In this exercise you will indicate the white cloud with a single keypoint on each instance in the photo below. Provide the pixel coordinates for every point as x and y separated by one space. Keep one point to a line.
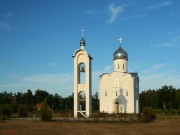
162 45
158 66
53 83
115 11
174 41
90 12
158 75
1 69
160 5
135 16
7 14
108 68
176 38
52 64
153 68
157 80
4 26
48 78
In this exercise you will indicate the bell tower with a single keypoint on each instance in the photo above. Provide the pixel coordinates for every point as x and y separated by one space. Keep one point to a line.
82 81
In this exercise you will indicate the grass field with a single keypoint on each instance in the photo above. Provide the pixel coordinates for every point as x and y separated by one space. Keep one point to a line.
163 126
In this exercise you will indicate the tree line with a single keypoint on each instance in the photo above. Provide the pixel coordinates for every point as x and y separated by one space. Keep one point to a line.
12 101
165 98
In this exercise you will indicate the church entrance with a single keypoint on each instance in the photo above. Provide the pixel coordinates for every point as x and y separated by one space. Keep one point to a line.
116 107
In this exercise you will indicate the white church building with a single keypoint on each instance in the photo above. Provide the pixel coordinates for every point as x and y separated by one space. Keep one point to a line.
119 90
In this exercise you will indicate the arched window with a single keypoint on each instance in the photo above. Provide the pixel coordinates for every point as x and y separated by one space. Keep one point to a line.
82 101
105 93
82 73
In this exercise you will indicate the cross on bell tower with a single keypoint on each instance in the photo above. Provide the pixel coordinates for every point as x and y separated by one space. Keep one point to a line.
82 30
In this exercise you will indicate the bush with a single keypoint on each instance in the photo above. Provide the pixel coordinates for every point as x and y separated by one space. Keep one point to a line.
45 113
178 111
166 112
173 111
5 111
22 111
159 111
147 115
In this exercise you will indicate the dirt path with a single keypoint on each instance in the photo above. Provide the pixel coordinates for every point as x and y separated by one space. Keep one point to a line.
29 127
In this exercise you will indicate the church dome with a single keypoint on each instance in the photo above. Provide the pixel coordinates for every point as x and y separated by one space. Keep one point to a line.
120 53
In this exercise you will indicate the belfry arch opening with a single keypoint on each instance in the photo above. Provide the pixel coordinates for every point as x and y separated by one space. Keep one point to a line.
82 73
82 101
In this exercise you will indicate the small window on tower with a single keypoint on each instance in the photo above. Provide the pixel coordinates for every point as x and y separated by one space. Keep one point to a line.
123 66
116 93
118 66
105 93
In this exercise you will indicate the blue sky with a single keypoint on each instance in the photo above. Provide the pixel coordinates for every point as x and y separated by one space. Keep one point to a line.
38 38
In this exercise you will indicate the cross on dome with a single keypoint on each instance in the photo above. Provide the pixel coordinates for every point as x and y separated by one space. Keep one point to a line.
120 40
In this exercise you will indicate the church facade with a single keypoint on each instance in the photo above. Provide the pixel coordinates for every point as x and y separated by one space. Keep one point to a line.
119 90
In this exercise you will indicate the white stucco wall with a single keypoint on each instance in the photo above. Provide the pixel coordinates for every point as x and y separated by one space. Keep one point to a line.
81 56
121 87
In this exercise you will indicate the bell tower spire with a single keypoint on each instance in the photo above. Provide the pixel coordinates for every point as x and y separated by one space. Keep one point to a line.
82 30
82 42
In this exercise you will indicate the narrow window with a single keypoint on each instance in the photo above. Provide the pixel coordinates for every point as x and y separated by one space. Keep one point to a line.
118 66
123 66
105 93
126 93
116 93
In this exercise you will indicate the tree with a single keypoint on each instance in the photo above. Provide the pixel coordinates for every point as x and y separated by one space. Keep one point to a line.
40 95
46 113
29 97
95 102
22 110
167 97
5 111
177 99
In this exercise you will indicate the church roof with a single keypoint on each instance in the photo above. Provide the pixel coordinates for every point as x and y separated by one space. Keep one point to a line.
134 75
120 53
82 50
